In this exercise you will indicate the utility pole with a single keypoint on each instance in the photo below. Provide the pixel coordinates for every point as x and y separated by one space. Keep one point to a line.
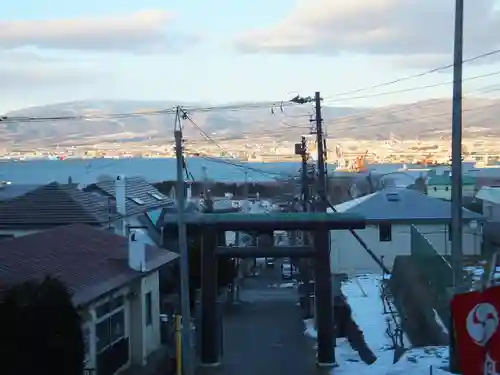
207 195
321 154
187 357
301 149
456 169
246 205
305 182
323 284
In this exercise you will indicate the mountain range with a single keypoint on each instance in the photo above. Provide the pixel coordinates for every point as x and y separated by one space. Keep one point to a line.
424 119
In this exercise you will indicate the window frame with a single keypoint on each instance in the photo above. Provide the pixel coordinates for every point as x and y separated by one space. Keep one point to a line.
148 307
113 307
385 232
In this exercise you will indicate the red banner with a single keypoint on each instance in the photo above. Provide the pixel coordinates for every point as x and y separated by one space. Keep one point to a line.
476 325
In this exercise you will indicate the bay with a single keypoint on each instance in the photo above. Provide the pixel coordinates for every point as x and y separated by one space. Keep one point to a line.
86 171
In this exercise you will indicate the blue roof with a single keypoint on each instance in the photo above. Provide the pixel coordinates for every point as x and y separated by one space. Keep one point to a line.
402 205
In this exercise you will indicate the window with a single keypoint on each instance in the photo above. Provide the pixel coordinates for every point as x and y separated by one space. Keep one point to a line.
157 196
450 235
117 326
137 201
86 341
110 326
102 334
385 232
109 306
149 309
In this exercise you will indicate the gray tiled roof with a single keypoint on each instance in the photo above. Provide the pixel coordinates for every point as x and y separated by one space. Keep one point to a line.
51 205
90 261
136 188
403 205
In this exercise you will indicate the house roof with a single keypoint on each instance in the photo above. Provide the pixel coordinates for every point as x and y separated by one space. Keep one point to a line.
141 195
402 205
90 261
489 194
53 204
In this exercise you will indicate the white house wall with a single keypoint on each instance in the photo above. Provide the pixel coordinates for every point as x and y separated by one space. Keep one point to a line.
348 256
151 333
491 211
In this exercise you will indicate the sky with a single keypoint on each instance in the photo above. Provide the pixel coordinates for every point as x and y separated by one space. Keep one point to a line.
225 50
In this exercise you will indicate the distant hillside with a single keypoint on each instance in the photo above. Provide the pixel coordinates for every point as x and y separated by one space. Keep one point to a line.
426 119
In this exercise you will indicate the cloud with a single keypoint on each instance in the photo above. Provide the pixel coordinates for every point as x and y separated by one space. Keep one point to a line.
412 29
25 70
145 31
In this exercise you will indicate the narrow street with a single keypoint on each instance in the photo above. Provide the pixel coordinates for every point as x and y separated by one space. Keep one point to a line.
265 334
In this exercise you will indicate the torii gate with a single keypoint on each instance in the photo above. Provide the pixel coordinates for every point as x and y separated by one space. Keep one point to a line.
318 223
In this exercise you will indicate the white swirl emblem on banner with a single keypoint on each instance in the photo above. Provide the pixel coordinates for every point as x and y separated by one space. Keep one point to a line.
482 323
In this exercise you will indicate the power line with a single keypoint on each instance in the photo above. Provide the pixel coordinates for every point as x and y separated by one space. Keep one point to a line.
274 175
203 133
406 108
420 118
416 88
417 75
172 111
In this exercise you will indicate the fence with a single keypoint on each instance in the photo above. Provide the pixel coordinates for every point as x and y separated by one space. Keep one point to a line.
435 269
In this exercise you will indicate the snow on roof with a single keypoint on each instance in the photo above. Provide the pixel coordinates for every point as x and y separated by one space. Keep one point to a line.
489 194
347 205
363 295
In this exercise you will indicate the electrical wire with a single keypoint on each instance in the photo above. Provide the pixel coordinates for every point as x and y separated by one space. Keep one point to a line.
171 111
227 162
235 107
204 134
417 75
417 88
278 176
389 122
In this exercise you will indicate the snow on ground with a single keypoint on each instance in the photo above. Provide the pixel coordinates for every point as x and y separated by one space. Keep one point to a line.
476 274
363 295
